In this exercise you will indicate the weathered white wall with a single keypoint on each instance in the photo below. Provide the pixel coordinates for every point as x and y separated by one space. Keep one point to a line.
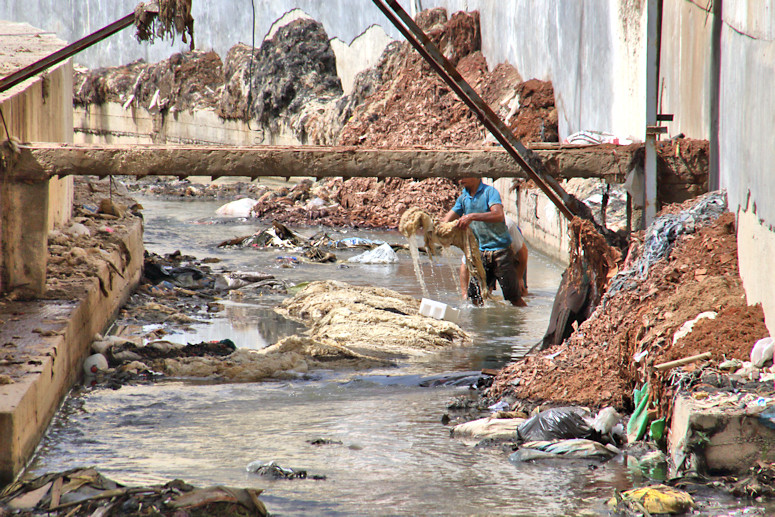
591 49
747 141
685 68
362 53
218 24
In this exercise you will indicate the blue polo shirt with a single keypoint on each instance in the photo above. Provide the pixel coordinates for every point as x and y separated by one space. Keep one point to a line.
491 236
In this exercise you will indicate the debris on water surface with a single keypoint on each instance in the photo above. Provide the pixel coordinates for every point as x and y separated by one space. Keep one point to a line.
373 321
274 471
85 492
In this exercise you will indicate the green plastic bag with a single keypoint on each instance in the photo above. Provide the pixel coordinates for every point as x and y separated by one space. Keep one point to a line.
636 427
657 429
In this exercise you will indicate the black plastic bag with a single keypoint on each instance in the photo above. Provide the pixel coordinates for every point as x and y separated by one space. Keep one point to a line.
559 423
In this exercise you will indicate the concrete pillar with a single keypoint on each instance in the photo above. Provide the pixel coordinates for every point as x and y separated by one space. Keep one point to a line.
39 109
24 239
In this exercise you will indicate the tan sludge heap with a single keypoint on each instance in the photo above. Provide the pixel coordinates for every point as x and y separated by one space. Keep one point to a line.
349 327
371 321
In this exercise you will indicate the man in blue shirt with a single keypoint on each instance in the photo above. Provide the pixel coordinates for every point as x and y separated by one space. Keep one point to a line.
480 207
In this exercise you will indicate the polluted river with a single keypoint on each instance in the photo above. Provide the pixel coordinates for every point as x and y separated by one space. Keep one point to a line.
371 442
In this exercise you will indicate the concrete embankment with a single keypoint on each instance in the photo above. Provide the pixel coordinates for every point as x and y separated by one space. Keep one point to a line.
49 339
55 297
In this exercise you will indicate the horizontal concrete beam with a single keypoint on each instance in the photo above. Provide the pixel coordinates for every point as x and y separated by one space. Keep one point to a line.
42 160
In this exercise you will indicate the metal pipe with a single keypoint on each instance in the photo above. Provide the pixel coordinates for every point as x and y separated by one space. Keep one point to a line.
420 41
65 53
714 180
652 79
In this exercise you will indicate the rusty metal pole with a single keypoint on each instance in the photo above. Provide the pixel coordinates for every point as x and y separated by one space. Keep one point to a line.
652 130
447 71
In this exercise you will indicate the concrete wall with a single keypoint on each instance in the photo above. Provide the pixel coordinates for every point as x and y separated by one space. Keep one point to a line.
685 68
39 109
747 141
110 123
591 49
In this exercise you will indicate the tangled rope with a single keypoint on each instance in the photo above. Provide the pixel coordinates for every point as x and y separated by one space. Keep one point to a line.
446 235
163 18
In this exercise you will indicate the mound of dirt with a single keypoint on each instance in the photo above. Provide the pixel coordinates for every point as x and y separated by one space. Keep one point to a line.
595 366
356 202
413 106
290 83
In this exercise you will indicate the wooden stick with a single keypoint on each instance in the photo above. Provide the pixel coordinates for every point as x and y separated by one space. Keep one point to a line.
681 362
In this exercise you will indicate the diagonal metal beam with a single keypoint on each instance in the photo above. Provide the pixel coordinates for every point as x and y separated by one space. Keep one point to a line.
447 71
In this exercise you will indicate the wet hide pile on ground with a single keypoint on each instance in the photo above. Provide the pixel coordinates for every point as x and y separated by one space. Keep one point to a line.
371 321
349 327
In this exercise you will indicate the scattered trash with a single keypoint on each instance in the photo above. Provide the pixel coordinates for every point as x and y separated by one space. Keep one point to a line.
556 424
662 234
657 429
683 361
275 471
489 428
79 230
499 406
687 327
83 491
759 481
730 365
575 448
324 441
637 358
588 137
767 417
109 207
383 254
239 208
605 421
438 310
357 242
95 363
636 427
762 352
654 499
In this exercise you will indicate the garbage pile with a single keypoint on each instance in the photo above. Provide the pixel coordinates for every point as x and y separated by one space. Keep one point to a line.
86 492
284 82
348 327
616 350
88 247
183 82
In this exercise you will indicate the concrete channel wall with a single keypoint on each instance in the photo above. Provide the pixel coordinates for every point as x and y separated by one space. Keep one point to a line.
38 109
51 337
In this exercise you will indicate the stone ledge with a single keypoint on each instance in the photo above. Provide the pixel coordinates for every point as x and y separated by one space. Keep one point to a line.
54 338
722 433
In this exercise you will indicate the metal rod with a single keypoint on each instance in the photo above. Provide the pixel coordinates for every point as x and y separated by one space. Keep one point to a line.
65 52
714 180
420 41
652 84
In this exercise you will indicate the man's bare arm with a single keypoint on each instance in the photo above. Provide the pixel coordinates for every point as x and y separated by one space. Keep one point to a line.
495 215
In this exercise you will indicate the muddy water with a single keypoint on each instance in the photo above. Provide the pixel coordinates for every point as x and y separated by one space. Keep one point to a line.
391 455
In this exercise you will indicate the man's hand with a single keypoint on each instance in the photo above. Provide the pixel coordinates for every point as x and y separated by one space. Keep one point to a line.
466 220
